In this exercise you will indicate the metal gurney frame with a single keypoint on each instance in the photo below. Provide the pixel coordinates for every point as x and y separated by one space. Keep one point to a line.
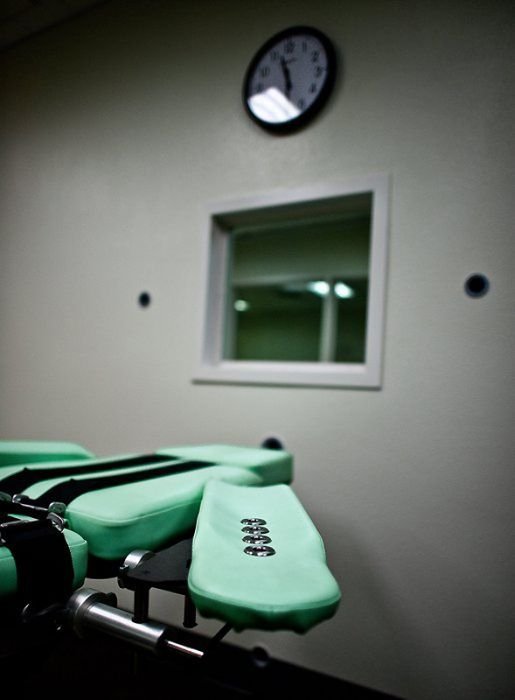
255 559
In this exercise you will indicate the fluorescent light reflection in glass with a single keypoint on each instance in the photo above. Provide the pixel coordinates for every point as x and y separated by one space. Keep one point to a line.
241 305
343 291
320 287
323 288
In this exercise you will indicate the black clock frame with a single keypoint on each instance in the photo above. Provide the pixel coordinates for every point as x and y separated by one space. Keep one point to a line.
306 116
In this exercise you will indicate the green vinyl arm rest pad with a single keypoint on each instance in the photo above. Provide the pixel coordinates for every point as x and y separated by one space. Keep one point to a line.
282 584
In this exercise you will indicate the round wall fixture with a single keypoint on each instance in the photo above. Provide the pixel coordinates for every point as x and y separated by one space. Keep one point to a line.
477 285
144 299
272 443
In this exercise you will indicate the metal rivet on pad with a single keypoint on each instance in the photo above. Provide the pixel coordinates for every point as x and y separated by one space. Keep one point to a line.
256 530
253 521
259 551
257 539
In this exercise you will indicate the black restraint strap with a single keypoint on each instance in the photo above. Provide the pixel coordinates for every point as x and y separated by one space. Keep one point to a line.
44 564
67 491
18 482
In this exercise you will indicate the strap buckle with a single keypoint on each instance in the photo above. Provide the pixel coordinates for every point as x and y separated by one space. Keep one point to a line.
56 521
20 504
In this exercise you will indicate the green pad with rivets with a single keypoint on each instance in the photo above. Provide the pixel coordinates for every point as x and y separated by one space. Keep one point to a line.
149 513
290 589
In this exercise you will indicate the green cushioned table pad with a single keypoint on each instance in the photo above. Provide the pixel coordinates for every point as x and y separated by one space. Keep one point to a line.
291 589
34 451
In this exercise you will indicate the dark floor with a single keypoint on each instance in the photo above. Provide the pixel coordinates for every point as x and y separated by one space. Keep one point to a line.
104 668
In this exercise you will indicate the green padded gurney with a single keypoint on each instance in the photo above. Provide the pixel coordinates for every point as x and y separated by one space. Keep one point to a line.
148 513
257 560
283 583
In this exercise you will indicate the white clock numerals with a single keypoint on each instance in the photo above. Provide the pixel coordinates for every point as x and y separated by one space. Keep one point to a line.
294 67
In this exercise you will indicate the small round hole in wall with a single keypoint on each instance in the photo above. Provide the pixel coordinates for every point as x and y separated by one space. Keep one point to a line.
272 443
477 285
144 299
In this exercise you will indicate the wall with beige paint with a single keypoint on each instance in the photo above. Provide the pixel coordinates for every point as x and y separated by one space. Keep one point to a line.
116 128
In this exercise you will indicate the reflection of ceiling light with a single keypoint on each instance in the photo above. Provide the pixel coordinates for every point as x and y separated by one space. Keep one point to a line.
241 305
273 106
319 287
343 291
322 288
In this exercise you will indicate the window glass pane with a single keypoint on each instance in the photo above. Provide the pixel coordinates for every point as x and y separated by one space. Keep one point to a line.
351 323
297 290
275 323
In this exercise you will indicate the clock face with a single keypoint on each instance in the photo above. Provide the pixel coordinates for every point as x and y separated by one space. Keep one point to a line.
289 79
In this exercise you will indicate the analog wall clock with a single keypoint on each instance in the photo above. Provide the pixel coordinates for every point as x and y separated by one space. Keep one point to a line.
290 79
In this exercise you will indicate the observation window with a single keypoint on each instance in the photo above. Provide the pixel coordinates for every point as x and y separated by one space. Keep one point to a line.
295 287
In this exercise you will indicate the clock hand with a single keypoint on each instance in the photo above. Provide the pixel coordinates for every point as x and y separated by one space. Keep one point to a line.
287 77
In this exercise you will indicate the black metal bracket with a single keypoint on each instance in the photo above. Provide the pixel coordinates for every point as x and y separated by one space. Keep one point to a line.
166 570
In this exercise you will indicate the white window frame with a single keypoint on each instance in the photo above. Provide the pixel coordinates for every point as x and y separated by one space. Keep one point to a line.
212 367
